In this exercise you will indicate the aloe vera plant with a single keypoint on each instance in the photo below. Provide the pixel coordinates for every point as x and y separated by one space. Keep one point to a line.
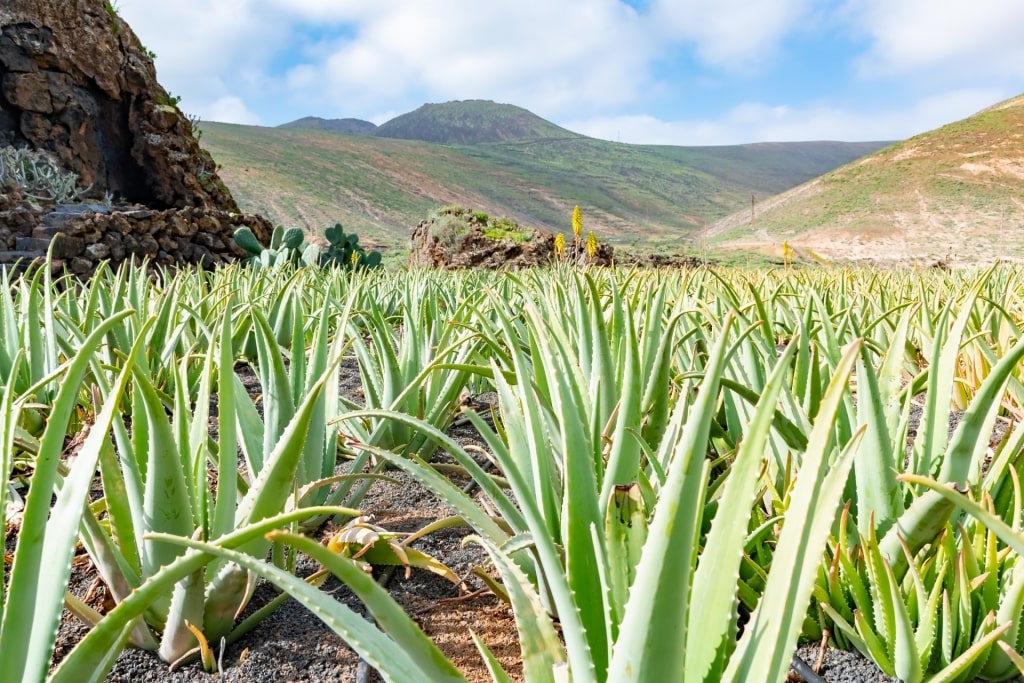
416 362
624 638
711 416
34 597
158 481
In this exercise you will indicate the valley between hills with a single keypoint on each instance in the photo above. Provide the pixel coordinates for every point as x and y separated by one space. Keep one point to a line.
953 194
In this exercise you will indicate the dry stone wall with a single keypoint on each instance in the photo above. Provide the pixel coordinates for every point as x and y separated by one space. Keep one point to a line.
83 235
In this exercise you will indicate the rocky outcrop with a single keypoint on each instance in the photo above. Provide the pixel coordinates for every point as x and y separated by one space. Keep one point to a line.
76 82
472 248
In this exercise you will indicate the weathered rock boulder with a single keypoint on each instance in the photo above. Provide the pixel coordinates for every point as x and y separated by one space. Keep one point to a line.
75 81
462 241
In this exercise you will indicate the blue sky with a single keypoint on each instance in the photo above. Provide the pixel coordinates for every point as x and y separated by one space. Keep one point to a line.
686 72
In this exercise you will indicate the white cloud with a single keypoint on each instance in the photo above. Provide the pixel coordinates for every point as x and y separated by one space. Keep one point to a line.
588 64
951 39
228 110
202 45
734 34
545 56
758 122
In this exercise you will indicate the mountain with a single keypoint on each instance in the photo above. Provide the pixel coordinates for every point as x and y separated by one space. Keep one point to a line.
471 122
354 126
954 194
521 166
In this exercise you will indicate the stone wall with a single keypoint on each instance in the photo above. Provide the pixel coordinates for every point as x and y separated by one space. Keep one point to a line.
83 235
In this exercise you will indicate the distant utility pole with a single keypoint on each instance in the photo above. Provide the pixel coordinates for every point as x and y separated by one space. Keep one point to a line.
751 209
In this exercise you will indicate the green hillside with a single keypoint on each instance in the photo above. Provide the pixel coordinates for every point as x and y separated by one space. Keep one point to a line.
382 187
954 194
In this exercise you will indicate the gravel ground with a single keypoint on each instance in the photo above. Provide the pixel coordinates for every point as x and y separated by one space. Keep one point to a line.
840 666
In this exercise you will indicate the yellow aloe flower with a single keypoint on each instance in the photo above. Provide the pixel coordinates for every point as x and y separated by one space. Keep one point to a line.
577 222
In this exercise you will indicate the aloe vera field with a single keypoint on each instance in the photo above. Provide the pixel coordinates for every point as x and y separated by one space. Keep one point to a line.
642 475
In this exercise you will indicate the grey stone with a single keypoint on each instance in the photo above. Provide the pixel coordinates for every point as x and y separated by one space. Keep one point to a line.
98 251
31 244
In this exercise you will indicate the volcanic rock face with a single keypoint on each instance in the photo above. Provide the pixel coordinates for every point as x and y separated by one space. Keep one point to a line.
76 82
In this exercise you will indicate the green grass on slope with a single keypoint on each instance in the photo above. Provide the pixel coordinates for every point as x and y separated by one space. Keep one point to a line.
381 188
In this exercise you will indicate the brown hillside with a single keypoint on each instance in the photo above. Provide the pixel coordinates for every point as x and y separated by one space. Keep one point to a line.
954 194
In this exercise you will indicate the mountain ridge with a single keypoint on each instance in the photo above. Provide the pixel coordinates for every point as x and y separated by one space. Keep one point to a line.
354 126
515 164
383 187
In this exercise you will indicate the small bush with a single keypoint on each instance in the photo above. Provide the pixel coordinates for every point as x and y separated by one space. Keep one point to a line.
38 175
450 231
451 210
507 229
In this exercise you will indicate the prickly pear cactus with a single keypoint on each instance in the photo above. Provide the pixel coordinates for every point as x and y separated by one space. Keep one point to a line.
345 251
293 238
370 260
245 238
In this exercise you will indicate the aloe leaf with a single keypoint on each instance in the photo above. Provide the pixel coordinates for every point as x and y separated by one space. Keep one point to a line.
1012 656
223 518
879 498
92 657
276 480
278 401
1010 607
537 637
804 534
167 505
221 599
48 535
186 606
848 630
906 658
625 534
494 667
248 424
928 514
9 412
933 432
624 456
441 486
719 566
882 607
874 648
653 630
970 657
580 514
404 654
